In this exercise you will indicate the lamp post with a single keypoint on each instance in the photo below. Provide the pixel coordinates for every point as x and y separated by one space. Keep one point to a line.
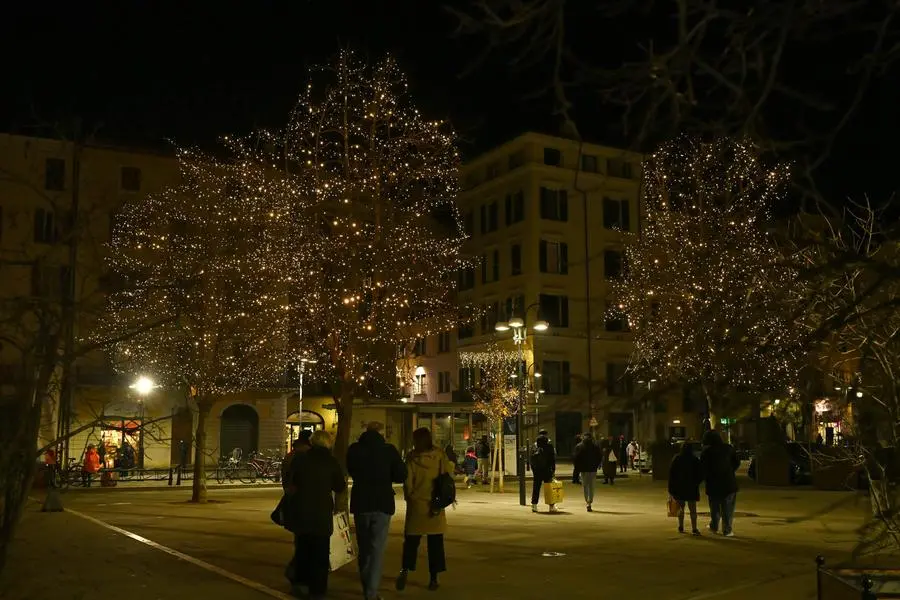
520 336
143 386
303 362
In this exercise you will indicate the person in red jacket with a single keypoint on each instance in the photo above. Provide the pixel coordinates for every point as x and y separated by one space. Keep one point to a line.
91 465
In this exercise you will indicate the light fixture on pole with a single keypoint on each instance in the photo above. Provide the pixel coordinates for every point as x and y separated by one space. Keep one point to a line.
143 385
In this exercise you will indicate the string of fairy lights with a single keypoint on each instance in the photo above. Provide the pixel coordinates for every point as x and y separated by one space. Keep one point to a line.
704 281
494 396
318 240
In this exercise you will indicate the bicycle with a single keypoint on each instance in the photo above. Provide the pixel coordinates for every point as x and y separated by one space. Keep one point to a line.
229 467
264 467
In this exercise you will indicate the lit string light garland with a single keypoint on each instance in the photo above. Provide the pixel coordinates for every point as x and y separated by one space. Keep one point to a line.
494 396
704 284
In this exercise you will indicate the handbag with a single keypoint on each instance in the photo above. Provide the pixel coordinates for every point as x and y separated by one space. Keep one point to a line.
341 546
443 490
672 507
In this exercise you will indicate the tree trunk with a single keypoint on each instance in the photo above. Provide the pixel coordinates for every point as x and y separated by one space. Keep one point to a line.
198 489
500 452
710 409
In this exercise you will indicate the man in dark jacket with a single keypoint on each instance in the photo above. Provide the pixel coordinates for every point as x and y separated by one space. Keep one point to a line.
374 466
483 454
314 476
719 462
543 467
622 453
587 460
685 475
576 475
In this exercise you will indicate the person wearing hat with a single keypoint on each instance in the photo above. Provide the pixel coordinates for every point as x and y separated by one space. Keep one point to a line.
543 467
300 445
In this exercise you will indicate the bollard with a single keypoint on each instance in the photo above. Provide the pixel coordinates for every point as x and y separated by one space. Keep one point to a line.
867 593
170 475
820 564
180 469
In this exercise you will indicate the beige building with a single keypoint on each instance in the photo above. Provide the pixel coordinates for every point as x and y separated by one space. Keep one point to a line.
548 217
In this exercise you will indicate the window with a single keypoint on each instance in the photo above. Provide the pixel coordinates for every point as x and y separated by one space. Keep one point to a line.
484 268
49 282
489 221
552 157
419 385
493 170
554 309
516 159
612 264
489 317
444 382
515 259
616 167
419 347
55 174
466 378
618 380
444 342
131 179
514 305
615 319
515 207
589 163
496 265
466 330
555 377
469 223
554 204
45 228
616 214
554 257
467 278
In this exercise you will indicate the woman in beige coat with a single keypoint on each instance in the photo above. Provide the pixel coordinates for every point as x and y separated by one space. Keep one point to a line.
423 466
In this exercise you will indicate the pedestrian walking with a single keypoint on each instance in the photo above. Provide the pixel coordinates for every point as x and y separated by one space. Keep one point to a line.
719 462
424 464
576 477
483 452
543 467
298 446
314 476
623 454
451 455
610 462
633 452
685 475
374 466
587 460
470 466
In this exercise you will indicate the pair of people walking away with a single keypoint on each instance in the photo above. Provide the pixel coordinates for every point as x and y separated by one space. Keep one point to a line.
543 468
588 458
716 466
374 466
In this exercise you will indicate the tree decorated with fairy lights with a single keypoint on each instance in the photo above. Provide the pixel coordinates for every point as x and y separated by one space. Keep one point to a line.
378 182
197 258
495 397
704 286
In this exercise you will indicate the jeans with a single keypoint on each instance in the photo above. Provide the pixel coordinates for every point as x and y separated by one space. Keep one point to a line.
437 562
722 507
587 482
692 508
311 562
371 535
537 488
484 465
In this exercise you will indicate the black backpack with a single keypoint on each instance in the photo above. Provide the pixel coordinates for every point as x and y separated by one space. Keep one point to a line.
444 491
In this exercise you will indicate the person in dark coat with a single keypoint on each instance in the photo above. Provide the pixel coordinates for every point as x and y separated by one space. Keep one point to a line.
719 462
576 476
685 475
451 455
543 467
314 476
374 466
622 453
300 445
483 453
587 460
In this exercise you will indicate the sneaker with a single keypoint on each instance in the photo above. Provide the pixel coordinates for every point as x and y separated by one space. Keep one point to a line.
401 580
713 529
534 508
729 534
589 509
695 532
681 530
553 508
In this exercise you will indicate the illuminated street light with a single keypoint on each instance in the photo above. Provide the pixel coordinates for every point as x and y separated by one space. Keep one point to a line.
516 323
143 386
541 326
502 326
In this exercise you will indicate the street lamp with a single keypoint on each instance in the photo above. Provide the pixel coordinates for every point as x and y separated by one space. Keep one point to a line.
520 336
143 386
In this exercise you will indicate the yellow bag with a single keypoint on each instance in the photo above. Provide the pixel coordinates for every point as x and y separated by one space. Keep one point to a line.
672 507
553 492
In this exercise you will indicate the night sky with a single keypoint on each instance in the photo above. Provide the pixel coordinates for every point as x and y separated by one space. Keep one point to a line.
194 70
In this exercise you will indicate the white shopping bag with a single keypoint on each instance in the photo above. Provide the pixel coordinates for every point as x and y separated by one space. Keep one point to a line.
342 549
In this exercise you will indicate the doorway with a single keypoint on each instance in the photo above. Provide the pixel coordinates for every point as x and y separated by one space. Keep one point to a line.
182 437
239 429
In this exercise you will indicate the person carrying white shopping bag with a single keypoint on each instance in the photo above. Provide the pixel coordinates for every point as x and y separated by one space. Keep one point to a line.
307 511
543 467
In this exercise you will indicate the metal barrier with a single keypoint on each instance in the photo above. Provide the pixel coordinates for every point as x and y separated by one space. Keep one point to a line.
839 585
